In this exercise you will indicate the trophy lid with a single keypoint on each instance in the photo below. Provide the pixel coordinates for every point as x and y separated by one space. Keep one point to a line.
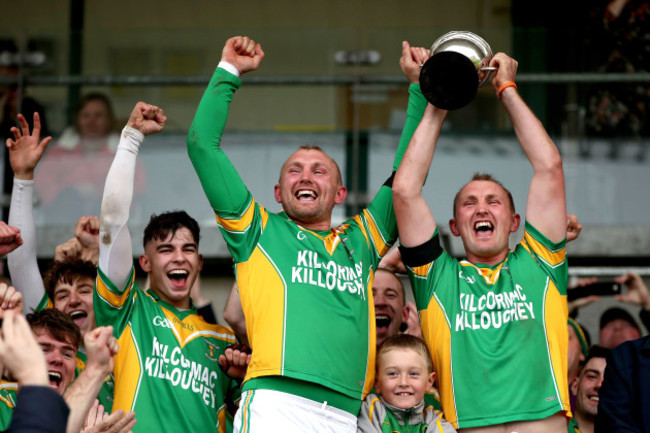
469 44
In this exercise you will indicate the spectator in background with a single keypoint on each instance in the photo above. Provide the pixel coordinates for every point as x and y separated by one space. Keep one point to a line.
616 327
577 351
71 177
585 389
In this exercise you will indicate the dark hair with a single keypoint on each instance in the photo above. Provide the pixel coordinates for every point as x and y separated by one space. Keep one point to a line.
161 226
68 271
596 352
99 97
487 177
405 341
57 323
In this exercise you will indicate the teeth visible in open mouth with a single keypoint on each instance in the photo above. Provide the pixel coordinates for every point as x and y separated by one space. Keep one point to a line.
55 376
78 314
178 273
595 398
382 321
483 226
305 193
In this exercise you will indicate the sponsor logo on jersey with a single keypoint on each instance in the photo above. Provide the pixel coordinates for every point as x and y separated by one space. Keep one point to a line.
162 322
170 364
493 310
301 236
311 269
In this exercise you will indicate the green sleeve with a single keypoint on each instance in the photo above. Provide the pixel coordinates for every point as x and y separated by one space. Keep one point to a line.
414 113
225 190
381 207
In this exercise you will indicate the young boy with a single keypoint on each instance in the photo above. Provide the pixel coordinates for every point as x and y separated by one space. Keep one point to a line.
404 373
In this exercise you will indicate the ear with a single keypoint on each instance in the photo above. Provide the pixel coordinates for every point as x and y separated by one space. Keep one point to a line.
200 262
430 380
405 314
516 220
276 193
145 264
377 385
340 195
574 387
453 227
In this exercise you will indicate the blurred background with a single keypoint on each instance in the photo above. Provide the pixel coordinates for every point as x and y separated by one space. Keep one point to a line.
331 78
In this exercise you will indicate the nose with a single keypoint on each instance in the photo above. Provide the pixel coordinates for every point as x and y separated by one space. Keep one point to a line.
178 257
54 358
74 298
403 380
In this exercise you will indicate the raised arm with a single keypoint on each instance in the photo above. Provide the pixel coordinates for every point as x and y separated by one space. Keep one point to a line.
25 151
101 348
233 314
414 218
115 251
221 182
546 207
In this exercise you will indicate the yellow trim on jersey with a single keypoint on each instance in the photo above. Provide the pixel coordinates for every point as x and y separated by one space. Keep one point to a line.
241 224
372 341
421 271
262 293
555 316
553 258
435 334
112 298
221 416
491 276
129 373
375 233
372 408
357 219
186 330
80 364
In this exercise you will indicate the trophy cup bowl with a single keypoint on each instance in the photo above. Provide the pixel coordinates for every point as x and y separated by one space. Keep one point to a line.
458 66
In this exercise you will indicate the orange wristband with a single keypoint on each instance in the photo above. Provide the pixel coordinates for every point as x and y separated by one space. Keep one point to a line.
504 86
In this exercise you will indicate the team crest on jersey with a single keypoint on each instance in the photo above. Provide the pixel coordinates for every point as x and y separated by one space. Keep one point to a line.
212 350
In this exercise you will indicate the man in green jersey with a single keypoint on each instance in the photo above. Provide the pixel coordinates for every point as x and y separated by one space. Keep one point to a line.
496 322
304 286
167 368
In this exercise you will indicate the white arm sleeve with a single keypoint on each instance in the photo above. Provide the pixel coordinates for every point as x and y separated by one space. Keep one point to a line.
115 250
23 266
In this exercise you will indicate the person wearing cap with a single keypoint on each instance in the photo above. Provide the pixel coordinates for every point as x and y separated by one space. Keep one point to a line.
616 327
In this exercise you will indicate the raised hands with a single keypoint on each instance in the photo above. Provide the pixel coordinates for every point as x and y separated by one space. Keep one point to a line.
9 238
101 348
412 60
506 70
26 149
10 299
100 421
147 118
637 291
19 351
243 53
573 228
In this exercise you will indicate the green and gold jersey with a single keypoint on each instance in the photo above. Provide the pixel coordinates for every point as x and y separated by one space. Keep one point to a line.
166 370
497 334
8 390
306 295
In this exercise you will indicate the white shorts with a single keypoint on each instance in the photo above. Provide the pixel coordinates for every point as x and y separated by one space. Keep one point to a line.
265 410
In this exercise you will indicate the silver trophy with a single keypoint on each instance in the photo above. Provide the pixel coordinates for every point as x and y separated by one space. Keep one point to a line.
458 66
